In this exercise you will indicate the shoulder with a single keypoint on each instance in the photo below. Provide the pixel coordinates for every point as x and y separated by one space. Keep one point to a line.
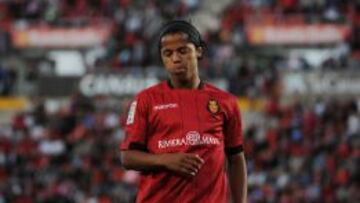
155 89
219 93
228 101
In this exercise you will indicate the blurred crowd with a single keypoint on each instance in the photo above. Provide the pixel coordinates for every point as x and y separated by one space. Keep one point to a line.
7 80
305 152
135 24
298 152
67 155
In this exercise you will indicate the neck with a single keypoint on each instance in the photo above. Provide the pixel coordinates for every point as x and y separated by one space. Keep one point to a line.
185 84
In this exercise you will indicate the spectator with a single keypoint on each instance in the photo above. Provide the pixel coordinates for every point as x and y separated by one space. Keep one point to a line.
7 80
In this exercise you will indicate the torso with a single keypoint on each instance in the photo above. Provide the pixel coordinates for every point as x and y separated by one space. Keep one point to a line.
190 121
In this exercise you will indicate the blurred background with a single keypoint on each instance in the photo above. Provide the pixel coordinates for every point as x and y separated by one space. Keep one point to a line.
68 69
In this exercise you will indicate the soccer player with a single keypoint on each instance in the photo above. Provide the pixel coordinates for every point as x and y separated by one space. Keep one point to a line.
179 131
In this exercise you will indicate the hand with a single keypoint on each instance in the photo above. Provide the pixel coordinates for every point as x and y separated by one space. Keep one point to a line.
181 163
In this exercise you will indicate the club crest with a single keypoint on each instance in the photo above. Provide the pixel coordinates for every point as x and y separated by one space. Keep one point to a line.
213 106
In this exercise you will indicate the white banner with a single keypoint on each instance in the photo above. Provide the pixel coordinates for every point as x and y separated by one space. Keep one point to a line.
117 84
114 84
321 83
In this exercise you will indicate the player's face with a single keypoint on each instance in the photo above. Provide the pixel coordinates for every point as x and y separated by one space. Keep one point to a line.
180 56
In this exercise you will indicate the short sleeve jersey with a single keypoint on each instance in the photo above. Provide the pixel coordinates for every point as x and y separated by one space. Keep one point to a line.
205 121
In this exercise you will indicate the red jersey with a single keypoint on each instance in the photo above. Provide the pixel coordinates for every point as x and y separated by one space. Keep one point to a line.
205 121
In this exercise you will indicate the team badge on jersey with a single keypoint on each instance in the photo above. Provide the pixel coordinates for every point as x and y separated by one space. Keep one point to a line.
213 106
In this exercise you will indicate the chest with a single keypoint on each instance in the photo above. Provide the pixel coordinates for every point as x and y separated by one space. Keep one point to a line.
184 118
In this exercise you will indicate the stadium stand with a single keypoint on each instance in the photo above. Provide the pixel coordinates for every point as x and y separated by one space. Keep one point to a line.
294 62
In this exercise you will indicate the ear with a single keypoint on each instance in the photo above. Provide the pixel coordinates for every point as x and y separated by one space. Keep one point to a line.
199 52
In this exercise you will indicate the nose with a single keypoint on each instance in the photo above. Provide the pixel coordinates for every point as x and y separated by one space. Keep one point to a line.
175 57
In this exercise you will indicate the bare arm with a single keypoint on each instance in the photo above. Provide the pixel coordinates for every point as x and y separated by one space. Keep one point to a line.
179 163
238 177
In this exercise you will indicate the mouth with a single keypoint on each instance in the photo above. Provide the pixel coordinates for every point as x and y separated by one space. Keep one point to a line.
179 70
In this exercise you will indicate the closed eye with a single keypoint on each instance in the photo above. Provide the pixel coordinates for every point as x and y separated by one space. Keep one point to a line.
183 50
167 53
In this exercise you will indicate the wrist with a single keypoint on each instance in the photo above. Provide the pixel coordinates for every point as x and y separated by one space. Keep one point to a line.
158 161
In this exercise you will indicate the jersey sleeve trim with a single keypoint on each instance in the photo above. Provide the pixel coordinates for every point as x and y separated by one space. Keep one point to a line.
138 146
234 150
